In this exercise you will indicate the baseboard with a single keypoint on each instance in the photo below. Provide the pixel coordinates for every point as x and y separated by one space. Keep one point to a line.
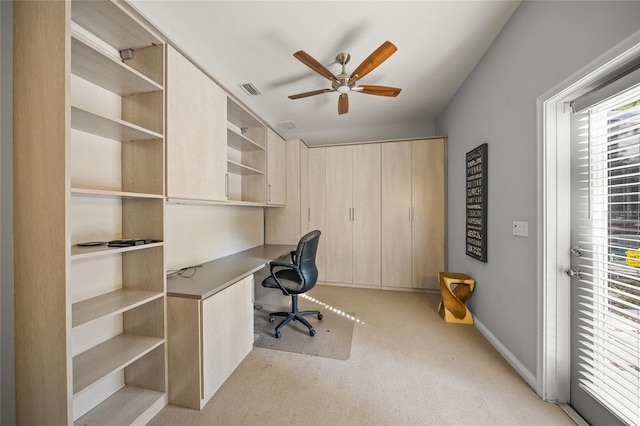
573 415
529 377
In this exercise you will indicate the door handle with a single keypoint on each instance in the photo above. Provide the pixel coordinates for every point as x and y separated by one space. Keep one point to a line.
574 272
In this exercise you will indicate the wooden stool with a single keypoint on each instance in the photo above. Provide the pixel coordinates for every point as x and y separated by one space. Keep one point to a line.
452 308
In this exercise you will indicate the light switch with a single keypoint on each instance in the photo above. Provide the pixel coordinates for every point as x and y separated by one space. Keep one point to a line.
521 229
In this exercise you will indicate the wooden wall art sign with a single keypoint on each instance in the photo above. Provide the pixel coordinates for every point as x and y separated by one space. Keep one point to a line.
476 234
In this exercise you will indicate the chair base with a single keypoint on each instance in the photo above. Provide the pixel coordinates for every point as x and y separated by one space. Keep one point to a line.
294 315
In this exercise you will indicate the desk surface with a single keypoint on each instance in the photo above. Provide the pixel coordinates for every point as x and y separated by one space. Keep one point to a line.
218 274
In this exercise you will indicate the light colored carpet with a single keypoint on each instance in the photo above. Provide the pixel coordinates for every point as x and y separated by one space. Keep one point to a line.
332 338
407 367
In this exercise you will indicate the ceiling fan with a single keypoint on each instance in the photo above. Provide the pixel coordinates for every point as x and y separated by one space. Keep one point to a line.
345 83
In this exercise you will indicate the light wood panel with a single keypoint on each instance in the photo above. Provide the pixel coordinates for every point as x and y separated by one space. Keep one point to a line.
227 333
367 214
41 236
110 304
317 204
196 132
95 363
113 24
429 212
126 406
276 169
305 210
183 341
396 214
283 224
339 211
107 71
107 127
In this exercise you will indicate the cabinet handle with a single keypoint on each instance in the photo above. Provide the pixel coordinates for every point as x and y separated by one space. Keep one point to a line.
269 186
226 184
353 214
309 214
409 214
413 214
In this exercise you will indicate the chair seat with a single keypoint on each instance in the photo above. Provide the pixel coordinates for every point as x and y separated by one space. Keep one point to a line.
289 279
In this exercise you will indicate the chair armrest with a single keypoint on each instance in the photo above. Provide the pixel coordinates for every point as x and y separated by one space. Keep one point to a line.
283 265
292 255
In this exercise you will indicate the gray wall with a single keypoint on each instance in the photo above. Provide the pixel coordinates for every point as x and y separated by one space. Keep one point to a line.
7 380
543 44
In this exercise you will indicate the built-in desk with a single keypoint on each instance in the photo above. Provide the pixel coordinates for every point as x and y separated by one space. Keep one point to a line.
210 323
218 274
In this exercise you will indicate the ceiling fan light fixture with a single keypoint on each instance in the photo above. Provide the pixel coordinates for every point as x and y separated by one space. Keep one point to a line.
344 89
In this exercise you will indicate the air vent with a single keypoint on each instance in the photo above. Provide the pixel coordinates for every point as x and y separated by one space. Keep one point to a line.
250 89
289 125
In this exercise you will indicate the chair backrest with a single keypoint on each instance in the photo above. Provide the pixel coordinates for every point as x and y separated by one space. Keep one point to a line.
305 258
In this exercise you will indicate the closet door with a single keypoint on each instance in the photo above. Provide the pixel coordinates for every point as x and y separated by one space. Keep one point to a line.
339 235
317 193
367 215
429 212
396 214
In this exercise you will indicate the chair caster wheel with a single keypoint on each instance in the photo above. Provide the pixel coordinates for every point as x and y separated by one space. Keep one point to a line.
278 334
320 316
271 319
312 332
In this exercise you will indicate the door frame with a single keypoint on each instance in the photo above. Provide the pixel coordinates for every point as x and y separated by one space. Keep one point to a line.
554 217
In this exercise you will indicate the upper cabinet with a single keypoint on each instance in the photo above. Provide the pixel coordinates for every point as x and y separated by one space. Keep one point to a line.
216 149
196 133
276 169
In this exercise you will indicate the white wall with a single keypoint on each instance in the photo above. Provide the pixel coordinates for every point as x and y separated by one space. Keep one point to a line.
7 381
542 45
195 233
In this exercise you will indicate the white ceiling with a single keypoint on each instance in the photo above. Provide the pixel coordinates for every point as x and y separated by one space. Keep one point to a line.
439 43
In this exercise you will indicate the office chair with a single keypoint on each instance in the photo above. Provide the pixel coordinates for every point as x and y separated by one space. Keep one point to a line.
295 278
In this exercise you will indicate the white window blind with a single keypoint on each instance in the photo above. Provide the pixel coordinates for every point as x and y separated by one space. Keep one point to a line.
609 236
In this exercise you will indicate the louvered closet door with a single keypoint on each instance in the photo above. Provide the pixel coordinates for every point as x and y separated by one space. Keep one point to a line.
605 292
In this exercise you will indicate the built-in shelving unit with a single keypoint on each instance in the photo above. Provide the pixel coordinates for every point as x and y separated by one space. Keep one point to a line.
246 155
91 153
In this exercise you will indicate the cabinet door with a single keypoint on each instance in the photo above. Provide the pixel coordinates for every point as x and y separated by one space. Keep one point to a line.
339 205
276 169
196 132
366 214
396 214
429 212
282 224
227 333
305 210
317 197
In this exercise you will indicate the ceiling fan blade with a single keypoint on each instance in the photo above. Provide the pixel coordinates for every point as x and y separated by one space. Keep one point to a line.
312 93
378 90
309 61
376 58
343 103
